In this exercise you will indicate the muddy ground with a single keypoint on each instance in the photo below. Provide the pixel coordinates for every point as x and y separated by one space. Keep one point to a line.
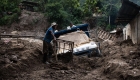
23 61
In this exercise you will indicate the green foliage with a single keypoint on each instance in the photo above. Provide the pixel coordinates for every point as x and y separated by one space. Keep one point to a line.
89 7
9 6
8 19
108 28
82 2
63 12
73 8
109 8
66 11
54 12
101 21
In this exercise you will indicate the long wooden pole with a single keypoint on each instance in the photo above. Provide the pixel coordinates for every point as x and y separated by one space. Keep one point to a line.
55 51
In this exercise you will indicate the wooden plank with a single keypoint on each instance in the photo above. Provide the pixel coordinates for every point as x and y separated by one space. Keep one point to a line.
14 36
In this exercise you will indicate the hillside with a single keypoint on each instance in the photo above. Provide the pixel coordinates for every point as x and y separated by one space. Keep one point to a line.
21 57
29 21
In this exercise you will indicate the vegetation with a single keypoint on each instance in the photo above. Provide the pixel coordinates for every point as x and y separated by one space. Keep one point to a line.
9 11
109 10
66 11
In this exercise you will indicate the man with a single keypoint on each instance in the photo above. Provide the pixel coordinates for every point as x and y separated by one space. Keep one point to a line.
71 26
47 47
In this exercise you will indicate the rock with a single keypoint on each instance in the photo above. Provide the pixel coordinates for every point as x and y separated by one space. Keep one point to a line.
112 52
115 67
73 77
117 47
133 74
6 60
67 72
14 58
104 44
1 42
110 42
14 32
3 52
62 72
110 49
2 61
5 56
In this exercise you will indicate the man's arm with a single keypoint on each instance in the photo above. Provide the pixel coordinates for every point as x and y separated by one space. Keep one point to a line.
53 35
73 26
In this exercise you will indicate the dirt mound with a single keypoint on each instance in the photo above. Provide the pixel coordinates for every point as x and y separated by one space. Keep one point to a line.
15 56
29 21
121 60
125 43
121 70
32 21
23 61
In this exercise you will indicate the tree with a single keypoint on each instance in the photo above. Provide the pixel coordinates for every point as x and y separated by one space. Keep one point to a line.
55 12
73 8
109 10
90 7
64 11
9 7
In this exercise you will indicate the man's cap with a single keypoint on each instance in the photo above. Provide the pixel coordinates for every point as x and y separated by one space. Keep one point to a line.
54 23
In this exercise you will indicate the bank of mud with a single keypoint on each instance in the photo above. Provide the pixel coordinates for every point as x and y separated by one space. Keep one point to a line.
23 61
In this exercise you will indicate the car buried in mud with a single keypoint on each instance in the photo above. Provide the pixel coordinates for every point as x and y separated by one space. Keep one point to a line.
82 42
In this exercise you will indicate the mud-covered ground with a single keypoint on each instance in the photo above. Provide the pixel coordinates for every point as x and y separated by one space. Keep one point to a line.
23 61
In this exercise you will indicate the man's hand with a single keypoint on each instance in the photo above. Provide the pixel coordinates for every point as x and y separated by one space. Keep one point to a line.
54 38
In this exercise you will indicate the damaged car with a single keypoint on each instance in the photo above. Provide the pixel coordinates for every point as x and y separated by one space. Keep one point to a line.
83 45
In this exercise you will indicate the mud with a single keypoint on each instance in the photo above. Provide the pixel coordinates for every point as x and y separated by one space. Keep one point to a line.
22 59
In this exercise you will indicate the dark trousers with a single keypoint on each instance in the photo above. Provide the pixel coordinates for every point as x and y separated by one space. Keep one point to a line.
47 51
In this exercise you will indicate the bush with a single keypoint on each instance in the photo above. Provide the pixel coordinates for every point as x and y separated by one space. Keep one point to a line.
6 7
108 28
8 19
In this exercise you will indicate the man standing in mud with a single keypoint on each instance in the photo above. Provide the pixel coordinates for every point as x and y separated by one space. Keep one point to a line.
47 47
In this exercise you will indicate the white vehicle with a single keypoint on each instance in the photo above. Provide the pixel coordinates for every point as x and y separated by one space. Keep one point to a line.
82 43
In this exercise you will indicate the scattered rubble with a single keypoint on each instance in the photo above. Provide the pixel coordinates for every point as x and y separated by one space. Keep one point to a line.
22 60
119 61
